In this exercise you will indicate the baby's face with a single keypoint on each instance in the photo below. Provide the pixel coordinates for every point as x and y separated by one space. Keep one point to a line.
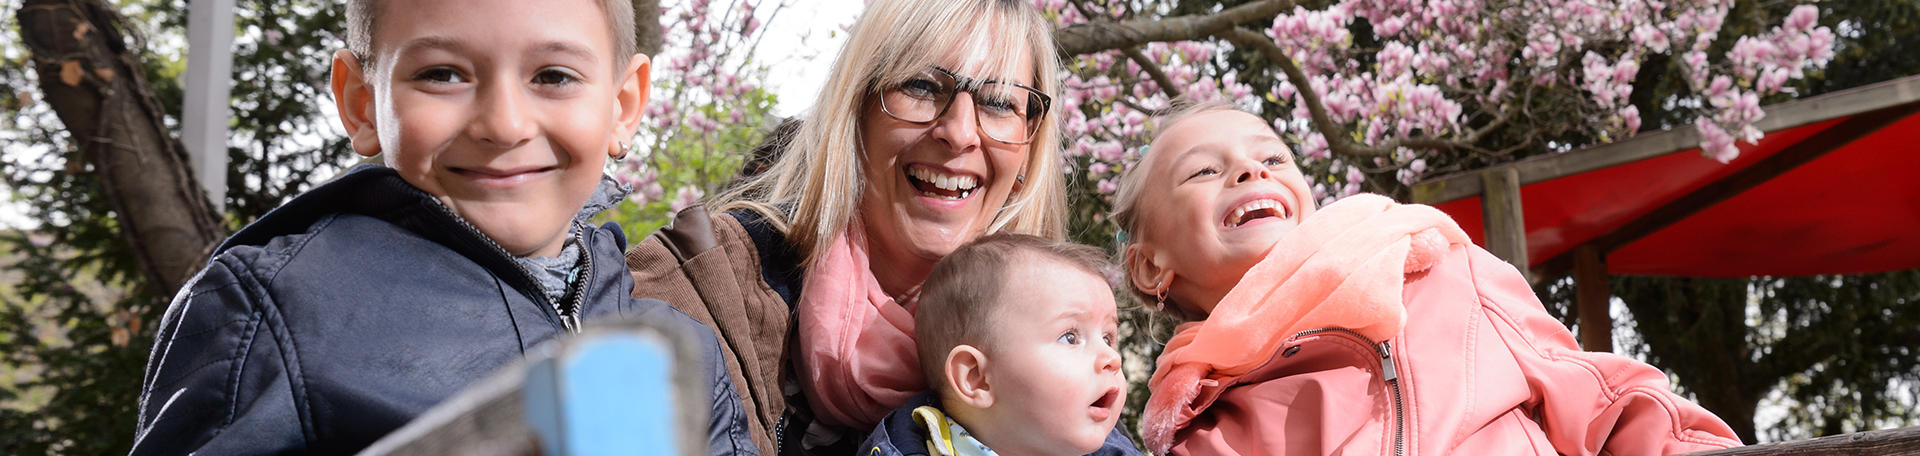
505 110
1053 367
1221 190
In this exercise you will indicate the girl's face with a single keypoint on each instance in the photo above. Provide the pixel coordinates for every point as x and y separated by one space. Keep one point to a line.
1221 190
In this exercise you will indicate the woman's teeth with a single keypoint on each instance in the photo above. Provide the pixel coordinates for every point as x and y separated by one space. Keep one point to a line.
1254 210
961 186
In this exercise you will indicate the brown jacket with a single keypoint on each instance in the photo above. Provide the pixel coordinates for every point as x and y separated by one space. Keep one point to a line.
738 281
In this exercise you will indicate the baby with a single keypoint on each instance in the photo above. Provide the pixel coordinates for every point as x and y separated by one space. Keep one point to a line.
1017 336
1365 327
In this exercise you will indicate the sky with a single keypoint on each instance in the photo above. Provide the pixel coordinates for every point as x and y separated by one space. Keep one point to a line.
800 44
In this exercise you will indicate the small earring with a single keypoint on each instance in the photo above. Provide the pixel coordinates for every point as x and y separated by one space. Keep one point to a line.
624 151
1162 296
1020 179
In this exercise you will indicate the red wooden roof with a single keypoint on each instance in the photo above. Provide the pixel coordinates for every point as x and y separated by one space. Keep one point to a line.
1833 188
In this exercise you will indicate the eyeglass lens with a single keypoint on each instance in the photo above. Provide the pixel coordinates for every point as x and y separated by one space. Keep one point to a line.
1006 112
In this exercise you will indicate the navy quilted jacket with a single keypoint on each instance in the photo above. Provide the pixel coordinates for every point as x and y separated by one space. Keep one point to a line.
355 307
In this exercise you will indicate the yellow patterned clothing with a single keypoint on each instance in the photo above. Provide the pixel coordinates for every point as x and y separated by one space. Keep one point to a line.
945 437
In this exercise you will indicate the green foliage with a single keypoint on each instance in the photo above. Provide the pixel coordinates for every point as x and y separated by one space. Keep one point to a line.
1838 353
79 321
687 155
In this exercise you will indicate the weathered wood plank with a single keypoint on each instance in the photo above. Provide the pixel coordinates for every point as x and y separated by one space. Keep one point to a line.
626 388
1594 299
1899 441
486 419
1506 226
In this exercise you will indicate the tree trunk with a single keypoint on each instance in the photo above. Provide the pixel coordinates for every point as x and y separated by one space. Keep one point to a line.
93 80
646 27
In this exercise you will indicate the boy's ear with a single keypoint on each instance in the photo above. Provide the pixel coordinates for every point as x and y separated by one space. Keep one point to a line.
966 369
1143 267
632 105
353 97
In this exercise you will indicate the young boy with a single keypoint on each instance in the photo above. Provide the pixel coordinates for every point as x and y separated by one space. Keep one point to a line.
1017 335
356 306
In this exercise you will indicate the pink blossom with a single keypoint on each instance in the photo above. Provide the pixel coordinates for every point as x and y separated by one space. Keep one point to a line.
687 196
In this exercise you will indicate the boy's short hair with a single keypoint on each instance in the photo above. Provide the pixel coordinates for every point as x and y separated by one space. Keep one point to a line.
961 295
361 13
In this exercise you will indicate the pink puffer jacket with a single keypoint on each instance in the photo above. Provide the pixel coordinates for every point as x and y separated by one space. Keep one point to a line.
1480 369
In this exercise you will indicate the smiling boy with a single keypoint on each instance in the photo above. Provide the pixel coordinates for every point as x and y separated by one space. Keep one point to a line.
356 306
1017 335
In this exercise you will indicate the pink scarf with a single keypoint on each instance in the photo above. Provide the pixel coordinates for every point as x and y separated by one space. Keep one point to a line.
858 360
1342 268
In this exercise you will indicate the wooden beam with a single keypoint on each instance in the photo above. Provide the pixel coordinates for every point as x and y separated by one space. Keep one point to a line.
1648 145
207 106
1904 440
1506 225
1740 181
632 387
1593 300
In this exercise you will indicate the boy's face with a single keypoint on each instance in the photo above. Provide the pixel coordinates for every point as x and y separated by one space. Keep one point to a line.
505 110
1221 191
1055 373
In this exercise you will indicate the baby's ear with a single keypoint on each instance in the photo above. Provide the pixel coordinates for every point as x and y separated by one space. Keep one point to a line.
353 97
1144 270
966 369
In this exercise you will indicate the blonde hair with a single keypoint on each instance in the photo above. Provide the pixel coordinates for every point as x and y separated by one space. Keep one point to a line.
1126 198
812 192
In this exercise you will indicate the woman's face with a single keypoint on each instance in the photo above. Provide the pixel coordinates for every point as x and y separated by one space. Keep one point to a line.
934 186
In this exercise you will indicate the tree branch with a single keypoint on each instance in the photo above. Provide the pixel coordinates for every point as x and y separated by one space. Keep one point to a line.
1337 140
1100 36
1152 69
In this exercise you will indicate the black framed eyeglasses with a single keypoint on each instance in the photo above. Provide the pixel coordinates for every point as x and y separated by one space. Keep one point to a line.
1006 111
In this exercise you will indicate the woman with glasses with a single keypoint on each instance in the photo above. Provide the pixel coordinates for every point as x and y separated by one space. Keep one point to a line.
936 127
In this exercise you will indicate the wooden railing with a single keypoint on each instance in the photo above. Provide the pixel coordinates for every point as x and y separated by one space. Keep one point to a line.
616 390
1899 441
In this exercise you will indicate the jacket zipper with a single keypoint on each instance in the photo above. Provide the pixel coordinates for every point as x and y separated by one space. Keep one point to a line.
568 316
576 283
1387 373
1399 408
779 433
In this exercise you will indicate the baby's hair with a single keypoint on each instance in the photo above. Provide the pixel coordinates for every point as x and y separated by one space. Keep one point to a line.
361 14
959 298
1126 198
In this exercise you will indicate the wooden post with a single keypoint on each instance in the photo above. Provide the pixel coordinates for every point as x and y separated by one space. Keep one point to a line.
1594 298
204 114
1506 225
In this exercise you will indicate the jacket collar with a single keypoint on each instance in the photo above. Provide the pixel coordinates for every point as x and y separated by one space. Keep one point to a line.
379 192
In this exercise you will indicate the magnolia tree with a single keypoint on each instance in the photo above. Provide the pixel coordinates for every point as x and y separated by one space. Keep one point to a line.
1377 94
707 108
1406 89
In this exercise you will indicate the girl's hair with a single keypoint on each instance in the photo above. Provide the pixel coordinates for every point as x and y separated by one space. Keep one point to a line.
361 15
812 191
1126 198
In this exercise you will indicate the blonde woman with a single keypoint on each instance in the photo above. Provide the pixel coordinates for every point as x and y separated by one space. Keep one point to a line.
935 128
